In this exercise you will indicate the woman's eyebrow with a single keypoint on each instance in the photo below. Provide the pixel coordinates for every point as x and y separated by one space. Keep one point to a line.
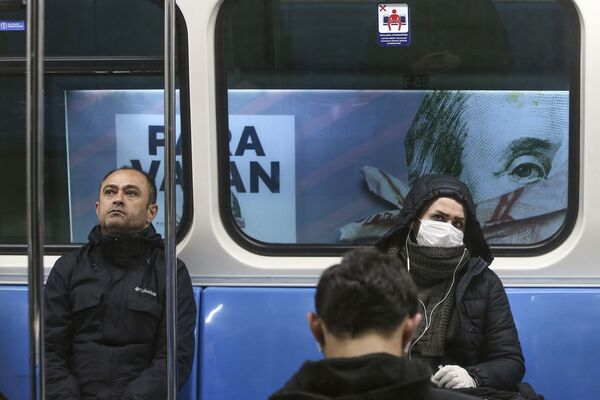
440 212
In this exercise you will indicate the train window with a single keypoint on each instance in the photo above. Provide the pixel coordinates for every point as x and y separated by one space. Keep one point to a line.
103 100
328 110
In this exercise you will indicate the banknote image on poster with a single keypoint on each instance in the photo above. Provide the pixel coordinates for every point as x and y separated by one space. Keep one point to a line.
510 148
107 129
356 154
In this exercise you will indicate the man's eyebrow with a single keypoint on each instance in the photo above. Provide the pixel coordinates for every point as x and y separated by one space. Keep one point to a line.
529 143
127 187
543 149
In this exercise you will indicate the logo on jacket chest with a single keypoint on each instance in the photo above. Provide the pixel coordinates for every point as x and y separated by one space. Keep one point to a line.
146 291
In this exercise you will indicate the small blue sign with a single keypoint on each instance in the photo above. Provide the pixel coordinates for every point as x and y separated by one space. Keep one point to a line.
12 25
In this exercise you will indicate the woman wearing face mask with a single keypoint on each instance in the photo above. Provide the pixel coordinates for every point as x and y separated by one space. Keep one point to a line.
467 334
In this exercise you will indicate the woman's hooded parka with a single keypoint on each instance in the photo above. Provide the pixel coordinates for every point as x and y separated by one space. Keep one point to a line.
485 342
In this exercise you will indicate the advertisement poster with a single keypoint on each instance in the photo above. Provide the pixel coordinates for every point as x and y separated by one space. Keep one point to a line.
357 152
107 129
333 166
140 143
262 162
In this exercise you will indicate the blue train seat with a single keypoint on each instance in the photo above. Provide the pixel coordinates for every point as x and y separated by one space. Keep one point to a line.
190 390
253 339
559 331
14 342
14 346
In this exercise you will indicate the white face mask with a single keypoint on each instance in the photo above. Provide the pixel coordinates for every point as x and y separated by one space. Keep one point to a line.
439 234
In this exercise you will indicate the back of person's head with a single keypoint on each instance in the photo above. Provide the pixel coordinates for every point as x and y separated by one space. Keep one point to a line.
367 291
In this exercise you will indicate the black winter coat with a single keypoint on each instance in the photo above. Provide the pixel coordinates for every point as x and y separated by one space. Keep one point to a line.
485 343
377 376
105 331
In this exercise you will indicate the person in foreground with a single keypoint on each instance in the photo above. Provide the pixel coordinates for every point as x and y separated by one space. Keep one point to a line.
104 304
467 335
366 314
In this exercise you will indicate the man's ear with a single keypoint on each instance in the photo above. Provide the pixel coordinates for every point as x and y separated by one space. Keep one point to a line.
316 327
97 207
410 326
152 211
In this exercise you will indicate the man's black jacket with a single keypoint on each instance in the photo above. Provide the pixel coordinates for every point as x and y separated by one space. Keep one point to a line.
105 322
377 376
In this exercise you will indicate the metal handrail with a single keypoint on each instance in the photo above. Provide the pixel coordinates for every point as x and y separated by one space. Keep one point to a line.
170 215
35 192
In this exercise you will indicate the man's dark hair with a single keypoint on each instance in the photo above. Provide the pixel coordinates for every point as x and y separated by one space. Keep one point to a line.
149 180
368 291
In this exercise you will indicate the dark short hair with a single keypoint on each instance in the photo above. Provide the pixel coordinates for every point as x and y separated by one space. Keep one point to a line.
368 290
149 180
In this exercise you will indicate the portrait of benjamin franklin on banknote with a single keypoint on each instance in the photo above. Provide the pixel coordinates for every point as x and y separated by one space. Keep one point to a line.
510 148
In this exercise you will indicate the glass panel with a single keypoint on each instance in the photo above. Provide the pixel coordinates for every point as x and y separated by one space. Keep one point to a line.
13 224
93 83
114 128
334 108
76 28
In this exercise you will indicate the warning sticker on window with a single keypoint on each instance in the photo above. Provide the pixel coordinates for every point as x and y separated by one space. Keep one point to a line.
393 25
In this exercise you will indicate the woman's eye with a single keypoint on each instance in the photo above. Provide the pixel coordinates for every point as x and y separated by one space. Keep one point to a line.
527 168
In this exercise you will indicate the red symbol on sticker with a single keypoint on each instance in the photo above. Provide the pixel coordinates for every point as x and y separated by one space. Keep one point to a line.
394 19
382 7
507 201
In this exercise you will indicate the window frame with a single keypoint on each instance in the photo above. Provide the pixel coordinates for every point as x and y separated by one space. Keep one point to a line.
122 67
306 250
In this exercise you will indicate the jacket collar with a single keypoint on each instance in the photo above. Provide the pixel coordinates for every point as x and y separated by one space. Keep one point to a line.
123 250
148 234
475 267
375 377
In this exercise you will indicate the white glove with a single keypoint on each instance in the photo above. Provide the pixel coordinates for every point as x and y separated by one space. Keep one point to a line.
453 377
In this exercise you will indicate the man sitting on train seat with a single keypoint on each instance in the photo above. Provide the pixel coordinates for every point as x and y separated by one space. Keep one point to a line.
104 304
366 315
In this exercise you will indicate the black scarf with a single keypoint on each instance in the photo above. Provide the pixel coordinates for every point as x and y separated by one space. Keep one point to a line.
432 269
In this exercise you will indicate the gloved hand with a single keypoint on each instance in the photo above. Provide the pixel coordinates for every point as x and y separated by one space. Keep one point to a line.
453 377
